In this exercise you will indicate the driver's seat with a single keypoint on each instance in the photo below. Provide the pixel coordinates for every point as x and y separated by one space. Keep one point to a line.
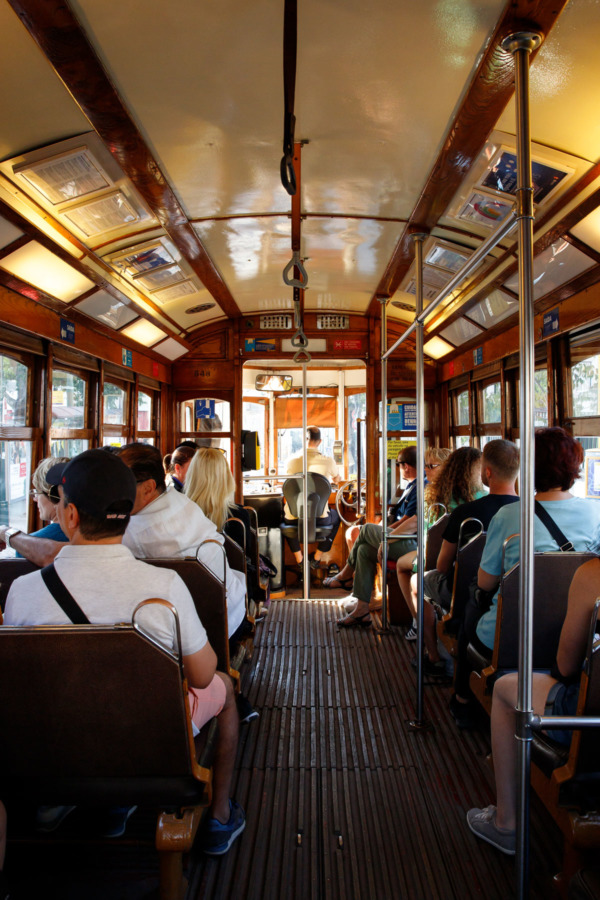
318 491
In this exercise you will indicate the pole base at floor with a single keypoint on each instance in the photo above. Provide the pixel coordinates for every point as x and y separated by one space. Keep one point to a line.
419 724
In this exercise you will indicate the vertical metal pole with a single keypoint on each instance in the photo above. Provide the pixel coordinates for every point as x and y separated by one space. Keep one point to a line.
383 466
420 390
305 560
521 45
358 466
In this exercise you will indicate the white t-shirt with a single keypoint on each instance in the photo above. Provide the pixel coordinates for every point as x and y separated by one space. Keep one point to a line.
173 526
108 583
323 465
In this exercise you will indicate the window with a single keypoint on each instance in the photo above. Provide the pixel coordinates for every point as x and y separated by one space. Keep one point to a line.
462 408
254 416
13 391
460 417
146 418
291 440
68 432
492 403
357 409
15 452
540 412
204 415
584 381
114 414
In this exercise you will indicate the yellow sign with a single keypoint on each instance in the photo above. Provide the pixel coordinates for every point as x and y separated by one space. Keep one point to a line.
395 446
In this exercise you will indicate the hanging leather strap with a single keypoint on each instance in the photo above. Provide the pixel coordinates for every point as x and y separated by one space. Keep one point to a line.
564 545
63 597
290 41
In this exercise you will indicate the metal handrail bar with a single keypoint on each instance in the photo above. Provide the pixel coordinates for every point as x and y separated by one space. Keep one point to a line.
506 226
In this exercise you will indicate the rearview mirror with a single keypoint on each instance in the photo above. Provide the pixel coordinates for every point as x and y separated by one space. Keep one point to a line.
274 383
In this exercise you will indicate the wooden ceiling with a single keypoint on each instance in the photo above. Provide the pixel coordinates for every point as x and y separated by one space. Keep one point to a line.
397 107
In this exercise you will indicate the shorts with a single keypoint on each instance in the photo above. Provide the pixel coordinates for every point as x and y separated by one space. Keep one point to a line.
562 701
436 588
206 702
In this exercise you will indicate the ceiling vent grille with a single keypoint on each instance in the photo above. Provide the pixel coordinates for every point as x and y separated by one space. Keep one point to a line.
278 322
332 322
175 292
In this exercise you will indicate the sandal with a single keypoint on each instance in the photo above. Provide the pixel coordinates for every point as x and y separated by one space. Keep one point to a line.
353 621
335 583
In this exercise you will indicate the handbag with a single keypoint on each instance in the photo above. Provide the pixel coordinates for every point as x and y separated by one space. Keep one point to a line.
564 545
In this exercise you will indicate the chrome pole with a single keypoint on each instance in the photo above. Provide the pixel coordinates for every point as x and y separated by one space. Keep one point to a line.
520 45
383 466
305 560
420 391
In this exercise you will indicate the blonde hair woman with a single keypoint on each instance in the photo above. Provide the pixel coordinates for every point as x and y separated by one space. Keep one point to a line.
210 484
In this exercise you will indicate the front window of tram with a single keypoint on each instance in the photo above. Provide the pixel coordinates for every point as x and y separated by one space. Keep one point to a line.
585 368
290 441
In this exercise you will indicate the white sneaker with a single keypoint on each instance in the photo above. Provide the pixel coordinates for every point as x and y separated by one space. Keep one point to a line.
348 604
412 634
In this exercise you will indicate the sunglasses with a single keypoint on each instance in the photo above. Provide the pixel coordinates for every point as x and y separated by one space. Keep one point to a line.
432 465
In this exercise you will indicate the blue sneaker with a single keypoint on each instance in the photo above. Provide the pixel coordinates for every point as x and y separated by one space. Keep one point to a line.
115 819
218 838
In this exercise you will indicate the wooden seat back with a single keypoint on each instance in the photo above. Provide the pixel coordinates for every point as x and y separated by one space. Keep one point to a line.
552 573
93 713
208 594
434 541
9 570
468 559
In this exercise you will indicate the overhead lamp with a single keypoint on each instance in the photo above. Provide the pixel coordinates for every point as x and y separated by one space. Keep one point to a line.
436 347
144 332
41 268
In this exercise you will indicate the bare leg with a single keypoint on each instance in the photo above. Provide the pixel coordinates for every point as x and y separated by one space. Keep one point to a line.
504 745
298 556
225 754
404 568
351 535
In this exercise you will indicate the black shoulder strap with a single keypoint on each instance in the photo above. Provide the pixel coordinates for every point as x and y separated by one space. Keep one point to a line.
63 597
563 544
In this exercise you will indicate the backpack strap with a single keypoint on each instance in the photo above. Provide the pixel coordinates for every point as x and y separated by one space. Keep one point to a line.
63 597
564 545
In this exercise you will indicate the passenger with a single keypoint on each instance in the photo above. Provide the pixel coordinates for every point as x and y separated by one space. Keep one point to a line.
46 497
555 694
435 457
98 493
558 458
367 549
178 462
167 523
499 470
323 465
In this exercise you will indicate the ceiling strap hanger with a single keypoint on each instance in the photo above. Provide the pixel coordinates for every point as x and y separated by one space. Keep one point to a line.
301 282
290 41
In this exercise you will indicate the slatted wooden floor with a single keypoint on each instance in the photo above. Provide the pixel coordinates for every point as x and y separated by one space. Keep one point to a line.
343 799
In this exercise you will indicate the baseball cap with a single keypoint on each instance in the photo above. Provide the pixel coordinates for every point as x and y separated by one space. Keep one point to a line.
98 483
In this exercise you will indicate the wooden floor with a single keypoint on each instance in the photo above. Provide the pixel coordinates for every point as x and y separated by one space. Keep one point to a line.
343 800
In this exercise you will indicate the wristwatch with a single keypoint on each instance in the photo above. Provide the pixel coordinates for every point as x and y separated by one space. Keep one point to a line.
10 533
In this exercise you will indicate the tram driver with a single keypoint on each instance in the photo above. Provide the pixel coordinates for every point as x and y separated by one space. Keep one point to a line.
323 465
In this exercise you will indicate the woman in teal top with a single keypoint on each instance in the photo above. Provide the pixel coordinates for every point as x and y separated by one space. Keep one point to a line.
558 459
46 497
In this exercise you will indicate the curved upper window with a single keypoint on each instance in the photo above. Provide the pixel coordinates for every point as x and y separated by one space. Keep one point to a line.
13 391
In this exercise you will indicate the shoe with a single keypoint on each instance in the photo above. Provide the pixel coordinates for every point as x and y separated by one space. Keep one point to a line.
48 818
432 669
335 583
246 711
462 713
348 604
115 821
352 621
316 563
412 634
482 823
218 838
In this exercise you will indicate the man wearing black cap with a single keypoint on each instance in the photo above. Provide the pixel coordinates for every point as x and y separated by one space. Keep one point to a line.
97 494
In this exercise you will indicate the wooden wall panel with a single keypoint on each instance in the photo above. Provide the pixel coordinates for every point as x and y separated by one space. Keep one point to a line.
198 375
33 317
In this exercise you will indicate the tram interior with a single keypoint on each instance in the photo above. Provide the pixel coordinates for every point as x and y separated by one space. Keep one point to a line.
161 282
